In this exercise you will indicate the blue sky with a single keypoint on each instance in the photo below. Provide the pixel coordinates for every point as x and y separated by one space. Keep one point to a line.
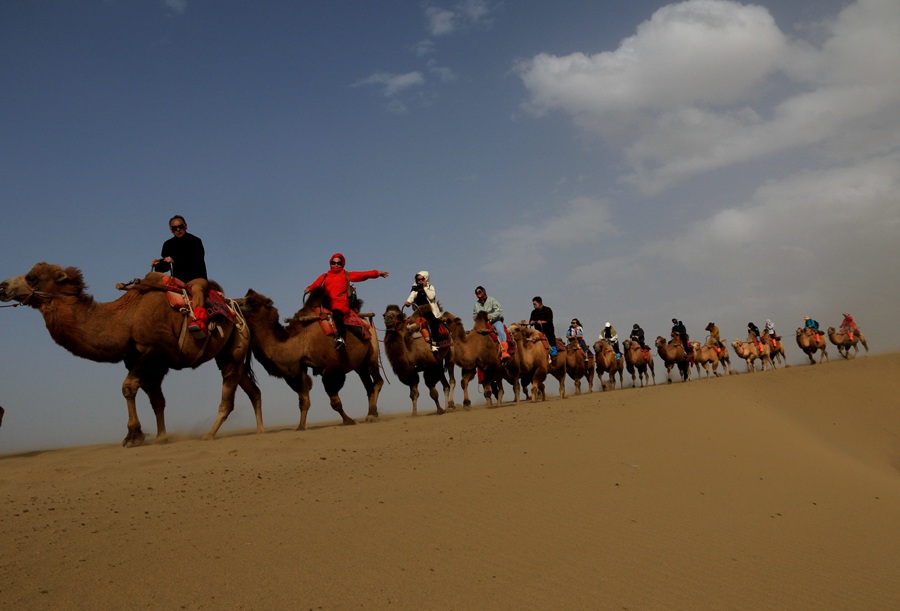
627 161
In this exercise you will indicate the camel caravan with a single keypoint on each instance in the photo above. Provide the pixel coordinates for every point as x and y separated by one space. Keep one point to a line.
147 329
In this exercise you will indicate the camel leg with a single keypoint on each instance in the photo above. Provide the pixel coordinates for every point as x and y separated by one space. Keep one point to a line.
414 397
234 374
372 382
333 383
432 377
448 394
669 372
467 375
301 385
153 389
130 386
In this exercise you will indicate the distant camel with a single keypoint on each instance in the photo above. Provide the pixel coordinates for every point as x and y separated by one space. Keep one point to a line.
636 360
844 342
576 364
673 355
409 353
707 356
290 352
750 352
473 350
608 363
532 355
142 329
776 349
809 341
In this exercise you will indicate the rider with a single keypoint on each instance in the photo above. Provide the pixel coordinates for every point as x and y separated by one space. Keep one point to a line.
337 283
753 332
491 307
542 319
187 251
809 323
678 327
770 329
637 335
848 325
715 337
610 336
423 294
576 331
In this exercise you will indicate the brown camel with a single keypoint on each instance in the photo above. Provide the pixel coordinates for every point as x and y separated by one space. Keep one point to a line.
473 350
750 351
673 355
533 357
844 342
288 352
409 353
810 341
576 365
776 350
637 361
707 356
557 369
142 330
609 364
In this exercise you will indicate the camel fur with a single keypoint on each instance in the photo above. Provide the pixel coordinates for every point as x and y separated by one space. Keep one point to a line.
750 352
473 350
635 362
410 353
673 355
707 356
608 363
576 365
842 340
290 352
142 330
806 340
532 359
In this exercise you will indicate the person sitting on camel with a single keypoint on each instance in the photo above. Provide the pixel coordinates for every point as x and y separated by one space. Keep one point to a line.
423 294
184 256
337 284
715 337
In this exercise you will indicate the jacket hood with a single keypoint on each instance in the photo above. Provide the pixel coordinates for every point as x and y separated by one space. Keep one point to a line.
425 275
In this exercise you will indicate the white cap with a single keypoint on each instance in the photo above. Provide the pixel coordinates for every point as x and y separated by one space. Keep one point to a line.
607 325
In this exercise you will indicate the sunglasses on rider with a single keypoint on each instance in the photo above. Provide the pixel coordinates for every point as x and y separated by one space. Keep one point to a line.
175 228
337 263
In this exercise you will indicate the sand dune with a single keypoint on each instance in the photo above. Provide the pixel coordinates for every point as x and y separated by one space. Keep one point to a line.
766 491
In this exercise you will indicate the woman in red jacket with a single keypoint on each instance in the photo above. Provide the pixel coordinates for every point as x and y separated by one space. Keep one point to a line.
337 284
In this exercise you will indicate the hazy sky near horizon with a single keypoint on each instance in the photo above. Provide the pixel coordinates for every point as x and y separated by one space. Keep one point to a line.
627 161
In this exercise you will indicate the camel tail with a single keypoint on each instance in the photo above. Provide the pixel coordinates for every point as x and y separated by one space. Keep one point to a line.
248 367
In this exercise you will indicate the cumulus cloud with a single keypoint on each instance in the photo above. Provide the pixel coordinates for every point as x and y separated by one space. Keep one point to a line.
444 21
706 84
391 84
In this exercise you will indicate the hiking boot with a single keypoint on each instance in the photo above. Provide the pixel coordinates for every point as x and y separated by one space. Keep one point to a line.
339 343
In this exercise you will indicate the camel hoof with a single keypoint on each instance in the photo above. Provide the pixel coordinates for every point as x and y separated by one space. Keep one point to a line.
371 418
133 441
350 421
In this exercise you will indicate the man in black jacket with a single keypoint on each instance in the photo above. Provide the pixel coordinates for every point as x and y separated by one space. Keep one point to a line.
184 255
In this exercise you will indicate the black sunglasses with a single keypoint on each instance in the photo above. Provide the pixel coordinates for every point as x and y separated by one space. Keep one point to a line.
177 227
337 263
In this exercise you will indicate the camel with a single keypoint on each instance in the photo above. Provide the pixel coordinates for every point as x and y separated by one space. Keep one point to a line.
576 365
776 349
608 363
810 341
409 353
842 340
142 330
557 369
636 361
750 351
533 360
707 356
288 352
673 355
473 350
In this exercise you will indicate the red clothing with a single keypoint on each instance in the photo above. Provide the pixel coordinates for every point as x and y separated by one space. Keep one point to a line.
335 281
848 322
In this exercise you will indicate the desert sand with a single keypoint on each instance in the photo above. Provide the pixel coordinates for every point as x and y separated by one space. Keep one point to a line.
776 490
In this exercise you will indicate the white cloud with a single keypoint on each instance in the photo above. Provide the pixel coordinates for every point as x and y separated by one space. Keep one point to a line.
440 21
707 84
391 84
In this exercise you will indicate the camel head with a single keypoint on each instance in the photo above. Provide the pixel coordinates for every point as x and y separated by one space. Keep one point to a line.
393 317
660 341
258 304
42 283
830 330
481 319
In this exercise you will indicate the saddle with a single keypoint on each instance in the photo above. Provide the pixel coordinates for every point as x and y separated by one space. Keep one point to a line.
562 347
510 340
443 337
352 321
178 294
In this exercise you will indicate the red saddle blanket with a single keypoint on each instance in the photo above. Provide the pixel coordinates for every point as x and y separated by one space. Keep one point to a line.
353 321
510 341
215 304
